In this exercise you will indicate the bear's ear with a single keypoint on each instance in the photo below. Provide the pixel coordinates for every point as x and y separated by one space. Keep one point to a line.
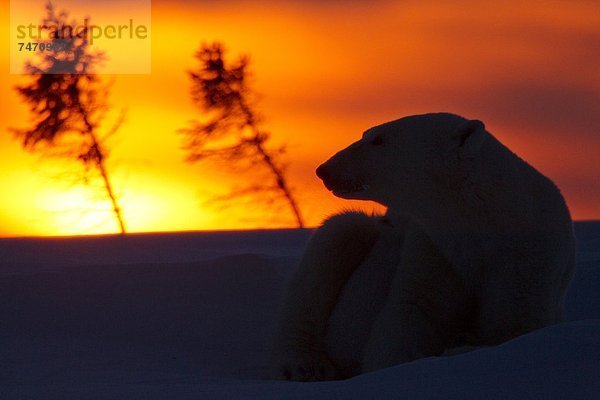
469 137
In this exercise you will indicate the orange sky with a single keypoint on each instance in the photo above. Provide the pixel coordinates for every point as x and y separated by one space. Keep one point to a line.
326 71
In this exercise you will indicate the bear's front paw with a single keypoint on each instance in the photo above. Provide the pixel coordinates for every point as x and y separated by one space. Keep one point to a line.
307 368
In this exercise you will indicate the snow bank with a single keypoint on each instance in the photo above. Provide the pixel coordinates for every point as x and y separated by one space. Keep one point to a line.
189 316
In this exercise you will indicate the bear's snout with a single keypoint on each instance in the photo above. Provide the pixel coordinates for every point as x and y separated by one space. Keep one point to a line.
341 184
325 175
322 172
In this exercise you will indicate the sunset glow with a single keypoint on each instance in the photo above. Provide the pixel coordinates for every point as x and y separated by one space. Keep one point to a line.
326 71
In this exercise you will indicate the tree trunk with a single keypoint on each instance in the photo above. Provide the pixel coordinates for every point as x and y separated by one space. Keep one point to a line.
281 184
99 159
279 177
111 195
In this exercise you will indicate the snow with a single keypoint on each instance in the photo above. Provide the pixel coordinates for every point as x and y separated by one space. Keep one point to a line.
190 316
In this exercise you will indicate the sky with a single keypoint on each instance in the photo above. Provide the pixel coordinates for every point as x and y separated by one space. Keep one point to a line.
325 72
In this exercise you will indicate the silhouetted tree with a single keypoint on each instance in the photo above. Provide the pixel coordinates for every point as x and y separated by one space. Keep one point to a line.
68 102
232 130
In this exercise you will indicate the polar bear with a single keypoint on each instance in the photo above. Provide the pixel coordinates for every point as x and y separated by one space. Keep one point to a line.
476 248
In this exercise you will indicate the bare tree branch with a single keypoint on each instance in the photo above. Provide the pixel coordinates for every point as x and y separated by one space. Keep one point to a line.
221 93
68 103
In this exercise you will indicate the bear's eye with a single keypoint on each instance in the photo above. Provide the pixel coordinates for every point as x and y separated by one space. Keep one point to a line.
377 141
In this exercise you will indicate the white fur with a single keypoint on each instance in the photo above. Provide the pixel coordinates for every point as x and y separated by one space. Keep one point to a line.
480 249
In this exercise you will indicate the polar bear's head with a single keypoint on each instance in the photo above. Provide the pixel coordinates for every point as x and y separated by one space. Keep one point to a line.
406 161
